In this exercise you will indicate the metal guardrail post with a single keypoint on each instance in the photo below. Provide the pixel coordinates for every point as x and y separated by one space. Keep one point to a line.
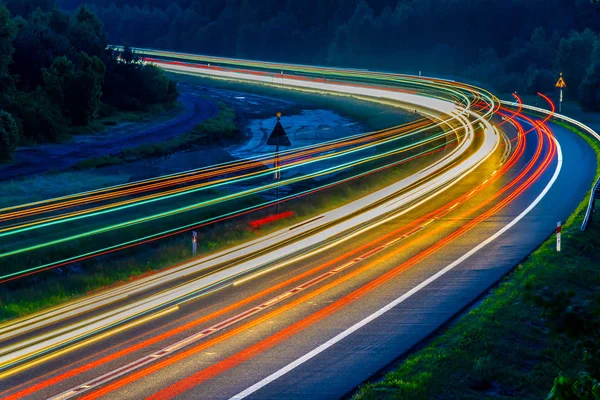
591 205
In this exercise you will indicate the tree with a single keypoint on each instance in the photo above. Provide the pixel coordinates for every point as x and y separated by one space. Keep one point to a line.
133 85
40 119
9 136
156 87
58 80
53 70
589 89
82 100
573 56
26 7
128 56
8 31
76 92
86 33
36 47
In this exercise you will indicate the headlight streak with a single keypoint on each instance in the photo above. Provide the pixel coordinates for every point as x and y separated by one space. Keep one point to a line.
213 184
484 183
445 210
54 242
253 350
22 344
148 310
191 174
187 176
214 172
162 235
192 207
94 339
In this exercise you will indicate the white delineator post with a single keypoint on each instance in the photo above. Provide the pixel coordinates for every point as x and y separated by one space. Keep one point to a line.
558 231
194 242
560 102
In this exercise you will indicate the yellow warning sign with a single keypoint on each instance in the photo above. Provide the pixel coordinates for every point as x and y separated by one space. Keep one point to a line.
561 82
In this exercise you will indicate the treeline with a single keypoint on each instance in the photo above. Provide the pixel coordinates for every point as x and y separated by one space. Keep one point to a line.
56 72
509 45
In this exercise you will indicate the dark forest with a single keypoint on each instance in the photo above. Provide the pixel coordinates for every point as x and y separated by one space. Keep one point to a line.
514 46
54 53
57 75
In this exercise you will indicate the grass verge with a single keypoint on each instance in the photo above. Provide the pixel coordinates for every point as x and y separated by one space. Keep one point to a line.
216 130
538 328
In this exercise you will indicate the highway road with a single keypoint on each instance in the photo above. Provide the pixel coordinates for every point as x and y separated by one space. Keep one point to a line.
315 309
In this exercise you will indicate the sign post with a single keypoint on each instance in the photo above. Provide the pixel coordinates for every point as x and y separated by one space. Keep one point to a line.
561 85
278 138
194 242
558 232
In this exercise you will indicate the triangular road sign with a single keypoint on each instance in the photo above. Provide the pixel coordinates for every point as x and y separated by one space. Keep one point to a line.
278 137
561 82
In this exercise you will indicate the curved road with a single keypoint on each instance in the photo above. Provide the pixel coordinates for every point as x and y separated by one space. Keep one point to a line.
323 323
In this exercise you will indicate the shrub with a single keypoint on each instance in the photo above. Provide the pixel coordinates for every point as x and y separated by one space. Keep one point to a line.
9 136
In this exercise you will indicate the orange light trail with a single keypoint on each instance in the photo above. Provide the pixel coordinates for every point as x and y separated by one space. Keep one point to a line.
211 342
405 230
224 365
376 138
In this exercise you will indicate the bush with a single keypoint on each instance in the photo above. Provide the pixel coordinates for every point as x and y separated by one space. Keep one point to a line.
9 136
133 86
41 120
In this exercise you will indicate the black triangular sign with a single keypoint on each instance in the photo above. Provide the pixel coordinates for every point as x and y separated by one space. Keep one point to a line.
278 137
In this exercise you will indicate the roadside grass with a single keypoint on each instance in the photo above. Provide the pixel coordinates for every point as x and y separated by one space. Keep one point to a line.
214 131
513 344
53 287
50 185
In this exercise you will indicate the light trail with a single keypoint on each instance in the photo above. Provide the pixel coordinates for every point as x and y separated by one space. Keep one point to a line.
425 185
211 172
254 350
476 204
286 333
442 211
77 332
162 235
202 204
237 179
98 231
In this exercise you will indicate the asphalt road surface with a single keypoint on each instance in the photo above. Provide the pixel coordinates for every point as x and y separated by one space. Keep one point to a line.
240 356
317 322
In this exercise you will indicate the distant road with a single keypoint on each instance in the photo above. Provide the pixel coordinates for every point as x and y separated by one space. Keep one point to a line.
31 160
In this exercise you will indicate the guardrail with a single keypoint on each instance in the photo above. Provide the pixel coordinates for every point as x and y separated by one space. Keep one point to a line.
591 204
594 195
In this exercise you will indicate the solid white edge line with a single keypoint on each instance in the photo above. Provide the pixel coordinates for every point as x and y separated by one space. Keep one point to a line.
252 389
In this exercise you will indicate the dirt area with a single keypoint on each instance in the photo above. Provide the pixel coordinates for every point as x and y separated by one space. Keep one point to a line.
32 160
